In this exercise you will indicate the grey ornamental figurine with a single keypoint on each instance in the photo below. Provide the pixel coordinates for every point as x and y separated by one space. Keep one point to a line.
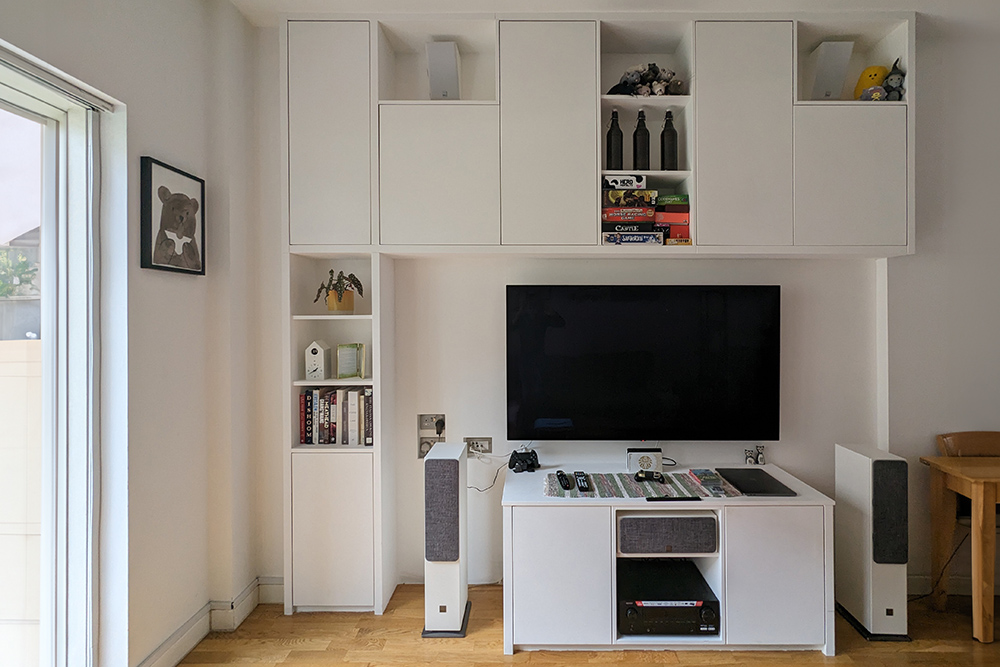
893 83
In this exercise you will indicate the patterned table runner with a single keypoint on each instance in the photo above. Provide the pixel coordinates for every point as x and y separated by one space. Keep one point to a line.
623 485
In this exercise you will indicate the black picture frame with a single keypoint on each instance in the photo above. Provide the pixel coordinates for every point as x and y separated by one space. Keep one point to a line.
172 215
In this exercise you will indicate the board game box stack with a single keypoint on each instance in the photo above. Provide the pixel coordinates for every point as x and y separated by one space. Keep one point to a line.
632 214
672 217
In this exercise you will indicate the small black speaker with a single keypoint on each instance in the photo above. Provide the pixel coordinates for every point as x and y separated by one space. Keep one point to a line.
662 535
890 532
441 510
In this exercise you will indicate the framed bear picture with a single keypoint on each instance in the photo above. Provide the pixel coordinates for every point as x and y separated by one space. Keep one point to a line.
172 231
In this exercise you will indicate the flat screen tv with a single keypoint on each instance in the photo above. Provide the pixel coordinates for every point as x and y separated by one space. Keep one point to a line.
638 362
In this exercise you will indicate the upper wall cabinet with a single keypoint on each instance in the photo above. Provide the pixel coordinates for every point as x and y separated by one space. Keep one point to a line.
850 175
548 149
329 137
744 132
439 174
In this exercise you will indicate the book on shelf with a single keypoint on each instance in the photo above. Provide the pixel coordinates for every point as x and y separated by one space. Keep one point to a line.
337 416
352 417
369 417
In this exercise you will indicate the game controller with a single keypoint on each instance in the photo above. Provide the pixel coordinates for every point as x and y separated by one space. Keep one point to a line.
523 461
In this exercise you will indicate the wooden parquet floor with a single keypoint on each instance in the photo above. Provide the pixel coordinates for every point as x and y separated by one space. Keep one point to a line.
269 638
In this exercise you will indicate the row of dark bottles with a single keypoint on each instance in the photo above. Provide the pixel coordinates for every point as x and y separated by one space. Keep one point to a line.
640 144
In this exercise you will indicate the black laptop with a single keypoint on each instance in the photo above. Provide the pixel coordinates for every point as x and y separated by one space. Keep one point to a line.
754 482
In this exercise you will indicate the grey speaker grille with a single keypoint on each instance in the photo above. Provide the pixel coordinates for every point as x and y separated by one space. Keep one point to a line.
441 510
890 532
667 534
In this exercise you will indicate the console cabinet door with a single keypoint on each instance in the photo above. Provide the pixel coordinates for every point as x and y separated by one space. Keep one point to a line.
439 174
563 567
774 588
333 537
744 132
329 132
548 121
850 175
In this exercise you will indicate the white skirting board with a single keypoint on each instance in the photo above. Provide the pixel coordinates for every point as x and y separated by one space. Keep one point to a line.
920 584
217 616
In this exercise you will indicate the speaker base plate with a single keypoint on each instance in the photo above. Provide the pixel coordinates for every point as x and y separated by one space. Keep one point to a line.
452 633
863 631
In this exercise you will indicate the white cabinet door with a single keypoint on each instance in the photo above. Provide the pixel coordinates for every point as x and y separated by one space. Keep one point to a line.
744 132
333 536
439 174
563 566
850 175
774 588
329 137
548 132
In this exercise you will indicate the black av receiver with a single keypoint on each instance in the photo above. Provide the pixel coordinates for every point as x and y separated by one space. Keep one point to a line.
664 596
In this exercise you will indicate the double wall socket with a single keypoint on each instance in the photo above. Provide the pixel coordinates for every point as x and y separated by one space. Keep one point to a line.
481 445
430 429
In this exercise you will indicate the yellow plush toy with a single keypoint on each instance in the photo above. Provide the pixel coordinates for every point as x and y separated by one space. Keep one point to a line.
872 76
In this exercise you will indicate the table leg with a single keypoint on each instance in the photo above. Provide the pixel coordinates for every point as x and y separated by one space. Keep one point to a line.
943 503
984 536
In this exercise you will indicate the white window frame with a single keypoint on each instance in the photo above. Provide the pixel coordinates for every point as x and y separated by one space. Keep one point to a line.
70 256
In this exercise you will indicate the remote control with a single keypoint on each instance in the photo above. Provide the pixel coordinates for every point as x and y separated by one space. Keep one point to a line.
647 475
581 481
565 482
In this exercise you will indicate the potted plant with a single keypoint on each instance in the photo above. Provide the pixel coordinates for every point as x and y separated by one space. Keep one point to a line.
339 291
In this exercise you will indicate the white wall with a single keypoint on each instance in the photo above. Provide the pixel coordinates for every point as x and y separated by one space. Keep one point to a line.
180 68
944 363
450 316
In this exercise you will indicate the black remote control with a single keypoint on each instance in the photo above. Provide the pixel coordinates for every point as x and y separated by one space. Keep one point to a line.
581 481
565 482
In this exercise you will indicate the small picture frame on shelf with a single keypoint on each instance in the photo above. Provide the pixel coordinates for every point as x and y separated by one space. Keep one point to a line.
351 360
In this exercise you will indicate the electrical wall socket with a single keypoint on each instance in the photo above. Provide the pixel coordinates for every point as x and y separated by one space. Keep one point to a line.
427 433
481 445
424 445
428 422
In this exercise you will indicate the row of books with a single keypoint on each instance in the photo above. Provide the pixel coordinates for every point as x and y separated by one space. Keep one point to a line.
336 416
643 216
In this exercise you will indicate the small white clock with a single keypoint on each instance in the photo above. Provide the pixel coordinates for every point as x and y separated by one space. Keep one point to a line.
317 360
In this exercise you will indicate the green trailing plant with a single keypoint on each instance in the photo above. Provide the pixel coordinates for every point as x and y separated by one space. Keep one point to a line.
339 283
16 275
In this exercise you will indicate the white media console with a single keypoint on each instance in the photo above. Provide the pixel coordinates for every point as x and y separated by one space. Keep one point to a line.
772 571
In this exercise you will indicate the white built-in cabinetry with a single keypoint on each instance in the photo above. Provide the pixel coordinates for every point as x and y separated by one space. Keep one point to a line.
376 170
772 572
744 138
548 132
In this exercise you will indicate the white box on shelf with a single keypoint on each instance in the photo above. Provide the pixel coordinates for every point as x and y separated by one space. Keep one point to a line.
317 360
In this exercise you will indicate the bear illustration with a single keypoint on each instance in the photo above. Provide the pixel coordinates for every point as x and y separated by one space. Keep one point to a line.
175 243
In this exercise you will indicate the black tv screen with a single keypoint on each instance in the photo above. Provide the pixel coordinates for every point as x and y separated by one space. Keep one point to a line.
638 362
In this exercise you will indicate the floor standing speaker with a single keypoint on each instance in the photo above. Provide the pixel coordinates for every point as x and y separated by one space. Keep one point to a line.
446 570
871 541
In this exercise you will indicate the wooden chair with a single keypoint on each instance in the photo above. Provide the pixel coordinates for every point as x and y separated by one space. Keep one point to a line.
969 443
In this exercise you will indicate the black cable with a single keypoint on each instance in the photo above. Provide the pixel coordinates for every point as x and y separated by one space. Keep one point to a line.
495 475
668 461
943 569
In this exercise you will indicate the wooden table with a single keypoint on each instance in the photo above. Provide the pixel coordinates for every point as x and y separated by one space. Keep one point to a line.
975 477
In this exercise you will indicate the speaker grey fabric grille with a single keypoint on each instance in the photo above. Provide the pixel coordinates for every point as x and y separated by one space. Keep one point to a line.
441 510
667 534
890 532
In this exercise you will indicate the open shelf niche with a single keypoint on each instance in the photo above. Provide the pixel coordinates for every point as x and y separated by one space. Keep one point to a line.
402 58
876 42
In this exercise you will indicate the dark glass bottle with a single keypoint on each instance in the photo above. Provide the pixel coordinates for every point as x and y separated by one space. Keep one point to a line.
668 144
640 144
614 144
